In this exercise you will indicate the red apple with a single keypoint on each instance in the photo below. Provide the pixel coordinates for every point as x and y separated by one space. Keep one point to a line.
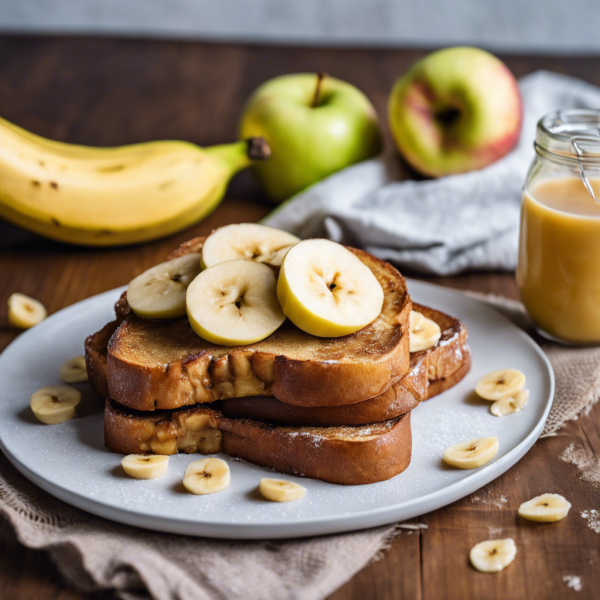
455 110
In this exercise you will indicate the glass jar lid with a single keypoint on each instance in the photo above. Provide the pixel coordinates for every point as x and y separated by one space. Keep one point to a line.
571 136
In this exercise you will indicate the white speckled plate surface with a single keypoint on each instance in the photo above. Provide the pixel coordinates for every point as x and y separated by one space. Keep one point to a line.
70 462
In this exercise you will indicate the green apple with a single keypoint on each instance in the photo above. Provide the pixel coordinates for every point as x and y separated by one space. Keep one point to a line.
455 110
315 125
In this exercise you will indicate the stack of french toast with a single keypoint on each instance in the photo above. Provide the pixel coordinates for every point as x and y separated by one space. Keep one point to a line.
331 408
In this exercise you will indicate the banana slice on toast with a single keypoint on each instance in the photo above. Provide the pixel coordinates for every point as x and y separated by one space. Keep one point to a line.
248 241
159 292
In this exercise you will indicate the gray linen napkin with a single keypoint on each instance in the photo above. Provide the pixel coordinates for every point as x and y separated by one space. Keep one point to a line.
442 226
93 553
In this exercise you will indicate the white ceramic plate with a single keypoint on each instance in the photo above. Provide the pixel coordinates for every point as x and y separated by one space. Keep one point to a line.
70 462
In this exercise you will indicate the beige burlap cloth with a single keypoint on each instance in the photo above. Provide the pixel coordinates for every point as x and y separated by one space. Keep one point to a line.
93 553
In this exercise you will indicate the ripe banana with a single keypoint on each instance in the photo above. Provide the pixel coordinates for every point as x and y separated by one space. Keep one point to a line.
492 556
545 508
25 312
424 333
510 404
142 466
55 403
471 454
250 241
206 476
501 383
113 196
74 370
279 490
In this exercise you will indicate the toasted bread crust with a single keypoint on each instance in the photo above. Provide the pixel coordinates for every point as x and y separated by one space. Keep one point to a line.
96 347
351 457
344 455
452 352
193 245
122 309
164 364
432 372
438 386
402 396
162 432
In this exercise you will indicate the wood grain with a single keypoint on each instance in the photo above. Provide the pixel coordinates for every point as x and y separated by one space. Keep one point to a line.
108 92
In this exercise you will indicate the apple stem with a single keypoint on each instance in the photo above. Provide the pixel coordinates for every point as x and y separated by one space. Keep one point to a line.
320 76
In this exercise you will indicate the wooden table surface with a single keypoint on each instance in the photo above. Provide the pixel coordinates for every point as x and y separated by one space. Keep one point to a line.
108 92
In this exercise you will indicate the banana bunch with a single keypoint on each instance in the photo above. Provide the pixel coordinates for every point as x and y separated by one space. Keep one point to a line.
113 196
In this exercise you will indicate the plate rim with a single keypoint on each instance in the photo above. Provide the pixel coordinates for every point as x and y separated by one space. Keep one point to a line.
321 525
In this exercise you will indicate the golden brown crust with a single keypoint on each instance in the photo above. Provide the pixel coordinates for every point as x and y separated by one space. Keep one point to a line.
438 386
193 245
350 458
164 364
95 357
122 309
403 395
344 455
450 355
432 372
162 432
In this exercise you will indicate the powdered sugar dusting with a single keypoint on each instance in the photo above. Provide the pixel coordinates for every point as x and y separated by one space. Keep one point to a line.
419 367
313 438
593 518
573 582
589 470
585 461
484 498
450 340
436 434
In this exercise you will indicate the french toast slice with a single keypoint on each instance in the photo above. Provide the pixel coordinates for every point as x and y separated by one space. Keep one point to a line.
96 349
450 359
401 397
432 372
163 364
450 355
344 455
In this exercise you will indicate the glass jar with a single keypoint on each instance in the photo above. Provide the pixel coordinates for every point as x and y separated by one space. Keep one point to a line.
558 270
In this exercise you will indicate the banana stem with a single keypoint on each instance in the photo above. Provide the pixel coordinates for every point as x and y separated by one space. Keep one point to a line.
240 155
258 148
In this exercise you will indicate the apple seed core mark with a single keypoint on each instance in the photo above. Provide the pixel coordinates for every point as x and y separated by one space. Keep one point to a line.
448 116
